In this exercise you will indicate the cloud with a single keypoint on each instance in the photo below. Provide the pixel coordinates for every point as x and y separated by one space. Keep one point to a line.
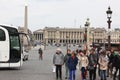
59 12
64 12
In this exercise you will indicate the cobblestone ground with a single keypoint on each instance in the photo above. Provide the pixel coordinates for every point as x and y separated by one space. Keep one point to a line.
35 69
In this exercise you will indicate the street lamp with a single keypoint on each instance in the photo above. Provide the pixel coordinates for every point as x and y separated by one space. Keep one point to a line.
93 39
67 42
109 15
45 45
119 42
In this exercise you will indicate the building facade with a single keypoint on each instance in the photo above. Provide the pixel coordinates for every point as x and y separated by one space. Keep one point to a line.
115 36
98 35
53 35
63 35
38 36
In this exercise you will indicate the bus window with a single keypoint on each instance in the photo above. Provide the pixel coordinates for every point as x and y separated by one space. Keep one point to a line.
2 35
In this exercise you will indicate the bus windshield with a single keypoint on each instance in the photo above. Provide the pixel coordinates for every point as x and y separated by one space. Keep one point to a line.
14 40
15 48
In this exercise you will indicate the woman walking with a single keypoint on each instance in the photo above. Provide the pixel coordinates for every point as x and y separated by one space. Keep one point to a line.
83 63
72 63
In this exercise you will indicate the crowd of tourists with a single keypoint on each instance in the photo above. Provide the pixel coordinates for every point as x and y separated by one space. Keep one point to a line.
104 62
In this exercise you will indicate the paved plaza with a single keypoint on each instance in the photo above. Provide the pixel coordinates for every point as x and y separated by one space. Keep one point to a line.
35 69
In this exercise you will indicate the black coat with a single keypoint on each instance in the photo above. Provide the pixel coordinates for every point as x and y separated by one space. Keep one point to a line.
116 61
92 61
111 58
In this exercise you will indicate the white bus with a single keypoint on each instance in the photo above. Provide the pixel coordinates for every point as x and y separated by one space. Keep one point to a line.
10 47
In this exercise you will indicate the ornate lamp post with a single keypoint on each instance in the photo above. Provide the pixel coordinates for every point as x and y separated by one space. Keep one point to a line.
109 15
67 42
86 36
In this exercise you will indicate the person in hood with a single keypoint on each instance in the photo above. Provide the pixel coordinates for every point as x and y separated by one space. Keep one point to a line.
58 61
103 61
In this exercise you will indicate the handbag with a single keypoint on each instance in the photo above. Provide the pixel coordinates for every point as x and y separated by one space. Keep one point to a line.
90 67
53 68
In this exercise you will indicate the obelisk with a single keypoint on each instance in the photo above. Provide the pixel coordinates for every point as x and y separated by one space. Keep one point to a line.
26 23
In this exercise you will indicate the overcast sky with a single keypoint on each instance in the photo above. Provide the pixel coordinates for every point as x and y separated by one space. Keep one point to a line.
62 13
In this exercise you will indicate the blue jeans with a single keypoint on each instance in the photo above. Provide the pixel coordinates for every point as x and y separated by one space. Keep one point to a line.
72 74
67 71
103 74
83 73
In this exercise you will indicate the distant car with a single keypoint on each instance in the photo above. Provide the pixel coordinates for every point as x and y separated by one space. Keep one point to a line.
64 44
79 45
74 45
25 54
57 44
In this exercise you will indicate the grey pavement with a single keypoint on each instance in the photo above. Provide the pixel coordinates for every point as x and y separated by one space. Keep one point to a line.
35 69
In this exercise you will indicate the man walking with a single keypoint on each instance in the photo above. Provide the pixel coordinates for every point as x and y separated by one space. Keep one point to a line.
92 64
116 64
40 54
